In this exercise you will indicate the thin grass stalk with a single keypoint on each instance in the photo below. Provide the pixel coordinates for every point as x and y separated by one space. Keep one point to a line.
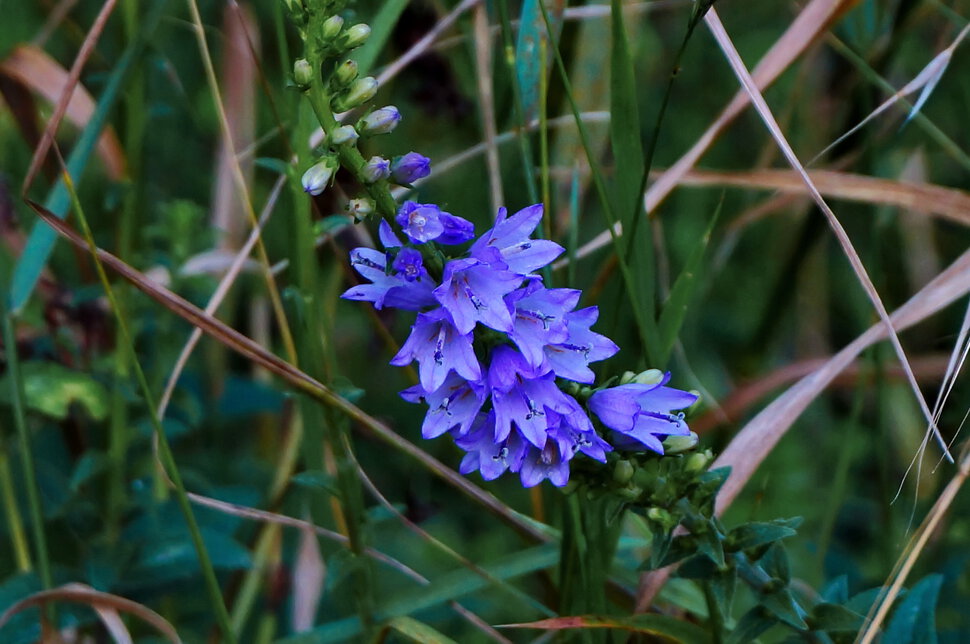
168 458
118 432
240 181
15 524
644 334
544 147
486 93
525 145
26 456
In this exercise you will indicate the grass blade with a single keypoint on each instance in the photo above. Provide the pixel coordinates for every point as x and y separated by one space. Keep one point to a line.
41 241
380 30
674 310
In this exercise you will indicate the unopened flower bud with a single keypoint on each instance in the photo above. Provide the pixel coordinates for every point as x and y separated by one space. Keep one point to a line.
698 461
375 169
409 168
380 121
331 28
345 74
649 377
356 36
317 178
627 377
359 93
302 73
623 472
678 444
343 134
361 208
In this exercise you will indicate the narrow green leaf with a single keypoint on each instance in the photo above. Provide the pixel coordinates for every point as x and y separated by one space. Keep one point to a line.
528 63
624 124
752 535
662 626
674 310
914 621
450 586
41 241
752 624
782 605
416 631
833 618
380 30
317 480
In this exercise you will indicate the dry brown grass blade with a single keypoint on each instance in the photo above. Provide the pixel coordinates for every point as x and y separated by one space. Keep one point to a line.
33 68
82 594
948 203
298 379
713 22
803 31
759 436
238 74
734 406
756 440
908 559
67 91
486 96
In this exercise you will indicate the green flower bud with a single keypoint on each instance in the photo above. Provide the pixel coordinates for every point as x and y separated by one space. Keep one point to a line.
380 121
317 177
649 377
678 444
361 208
355 36
623 472
698 461
302 73
627 377
343 134
345 74
331 28
359 93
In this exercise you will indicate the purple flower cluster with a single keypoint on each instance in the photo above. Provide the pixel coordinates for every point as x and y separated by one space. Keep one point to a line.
495 391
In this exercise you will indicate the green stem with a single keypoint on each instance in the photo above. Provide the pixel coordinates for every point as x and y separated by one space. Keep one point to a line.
17 536
26 454
714 613
165 450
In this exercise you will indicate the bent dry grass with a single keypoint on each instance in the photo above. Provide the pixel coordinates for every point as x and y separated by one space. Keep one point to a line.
818 305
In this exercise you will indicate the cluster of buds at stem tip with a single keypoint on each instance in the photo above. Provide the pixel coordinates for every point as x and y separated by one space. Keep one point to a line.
380 121
361 91
317 177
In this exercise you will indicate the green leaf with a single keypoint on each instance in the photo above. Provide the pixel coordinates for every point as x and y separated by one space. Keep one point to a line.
775 563
528 63
752 624
637 246
417 631
450 586
380 30
91 464
782 605
39 245
834 618
51 389
675 308
662 626
837 591
316 479
752 535
914 621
